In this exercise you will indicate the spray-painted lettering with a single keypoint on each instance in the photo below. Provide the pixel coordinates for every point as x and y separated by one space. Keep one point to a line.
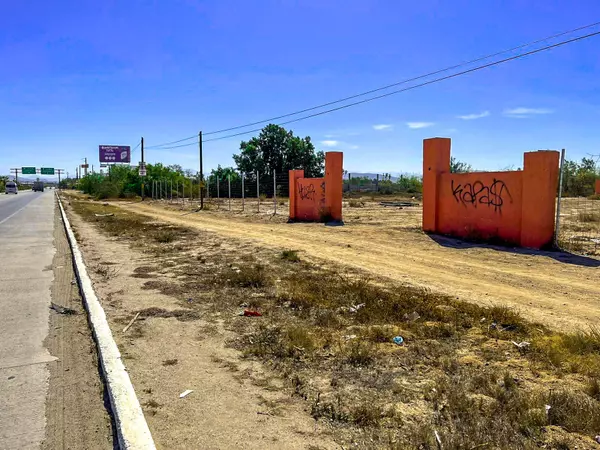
306 192
493 195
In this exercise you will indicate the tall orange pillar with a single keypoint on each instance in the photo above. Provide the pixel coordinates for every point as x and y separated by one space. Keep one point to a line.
436 160
294 175
540 184
597 190
334 172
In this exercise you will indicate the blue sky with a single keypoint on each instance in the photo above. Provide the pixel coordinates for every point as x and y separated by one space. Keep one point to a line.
76 74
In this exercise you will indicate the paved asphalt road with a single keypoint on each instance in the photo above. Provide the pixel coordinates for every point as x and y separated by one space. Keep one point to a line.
27 250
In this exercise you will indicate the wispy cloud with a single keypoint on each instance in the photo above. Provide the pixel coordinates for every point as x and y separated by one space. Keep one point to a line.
382 126
330 143
521 113
417 125
474 116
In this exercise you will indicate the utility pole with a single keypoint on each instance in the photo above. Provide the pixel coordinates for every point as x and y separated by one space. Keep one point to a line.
201 174
85 167
16 174
59 171
143 166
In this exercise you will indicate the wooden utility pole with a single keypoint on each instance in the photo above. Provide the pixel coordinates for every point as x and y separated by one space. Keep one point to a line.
143 166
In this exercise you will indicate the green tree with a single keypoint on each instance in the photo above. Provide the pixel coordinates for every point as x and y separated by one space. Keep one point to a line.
457 166
579 178
223 173
276 149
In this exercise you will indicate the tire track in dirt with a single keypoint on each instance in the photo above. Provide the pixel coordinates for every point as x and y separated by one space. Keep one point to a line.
559 294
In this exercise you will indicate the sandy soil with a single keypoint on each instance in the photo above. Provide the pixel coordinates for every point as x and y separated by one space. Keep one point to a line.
227 409
75 410
559 289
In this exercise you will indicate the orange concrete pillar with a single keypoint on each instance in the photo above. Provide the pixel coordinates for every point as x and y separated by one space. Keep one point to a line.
436 160
597 190
540 184
294 175
334 173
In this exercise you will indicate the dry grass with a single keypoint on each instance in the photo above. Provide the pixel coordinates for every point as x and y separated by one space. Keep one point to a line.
290 255
329 333
586 216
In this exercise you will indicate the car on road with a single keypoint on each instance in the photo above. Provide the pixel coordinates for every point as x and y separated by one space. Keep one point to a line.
11 188
38 186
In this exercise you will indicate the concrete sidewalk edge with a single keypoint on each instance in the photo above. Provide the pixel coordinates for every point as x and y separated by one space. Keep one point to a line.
132 430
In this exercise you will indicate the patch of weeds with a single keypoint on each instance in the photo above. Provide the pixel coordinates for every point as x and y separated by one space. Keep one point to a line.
586 216
290 255
573 411
152 404
165 236
575 352
366 414
248 276
327 318
593 388
170 362
360 354
356 204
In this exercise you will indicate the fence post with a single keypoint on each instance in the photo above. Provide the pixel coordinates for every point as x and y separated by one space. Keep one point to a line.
218 196
560 188
177 189
183 193
171 183
229 186
258 189
243 193
274 193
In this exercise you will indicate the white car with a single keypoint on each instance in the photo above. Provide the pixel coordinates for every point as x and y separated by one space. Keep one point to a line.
11 188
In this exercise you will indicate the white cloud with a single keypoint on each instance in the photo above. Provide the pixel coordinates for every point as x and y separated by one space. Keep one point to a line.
417 125
521 113
382 126
330 143
474 116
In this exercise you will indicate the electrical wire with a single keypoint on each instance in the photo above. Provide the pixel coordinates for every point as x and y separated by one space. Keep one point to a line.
454 75
404 81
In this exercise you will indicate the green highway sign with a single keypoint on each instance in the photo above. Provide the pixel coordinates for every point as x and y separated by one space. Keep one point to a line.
28 170
47 171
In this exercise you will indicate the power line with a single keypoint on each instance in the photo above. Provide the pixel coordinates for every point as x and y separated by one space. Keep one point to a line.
405 81
454 75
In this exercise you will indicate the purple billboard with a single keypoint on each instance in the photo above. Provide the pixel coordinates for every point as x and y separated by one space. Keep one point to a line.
115 153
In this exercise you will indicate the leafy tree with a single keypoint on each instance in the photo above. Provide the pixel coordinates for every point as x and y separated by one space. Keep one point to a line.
457 166
223 173
276 149
579 178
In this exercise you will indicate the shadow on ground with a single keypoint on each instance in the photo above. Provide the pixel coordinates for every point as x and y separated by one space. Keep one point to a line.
560 256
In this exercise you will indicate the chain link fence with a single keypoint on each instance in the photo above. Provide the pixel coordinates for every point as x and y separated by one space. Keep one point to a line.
264 193
578 219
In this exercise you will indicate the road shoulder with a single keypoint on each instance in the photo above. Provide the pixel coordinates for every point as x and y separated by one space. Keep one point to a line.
76 411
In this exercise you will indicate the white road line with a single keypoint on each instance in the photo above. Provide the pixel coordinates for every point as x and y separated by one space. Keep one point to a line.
13 214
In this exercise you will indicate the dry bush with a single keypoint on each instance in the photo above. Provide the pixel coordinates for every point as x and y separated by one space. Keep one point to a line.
290 255
587 216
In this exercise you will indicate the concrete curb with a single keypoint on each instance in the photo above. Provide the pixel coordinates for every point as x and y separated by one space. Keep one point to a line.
132 430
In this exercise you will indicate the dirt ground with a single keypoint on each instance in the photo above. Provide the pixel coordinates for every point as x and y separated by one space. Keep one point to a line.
559 289
75 410
168 350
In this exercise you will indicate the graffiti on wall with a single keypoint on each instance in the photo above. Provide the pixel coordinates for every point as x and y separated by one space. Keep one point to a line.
492 195
306 192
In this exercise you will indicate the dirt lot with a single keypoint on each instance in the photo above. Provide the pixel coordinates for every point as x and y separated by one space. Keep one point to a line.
319 368
559 289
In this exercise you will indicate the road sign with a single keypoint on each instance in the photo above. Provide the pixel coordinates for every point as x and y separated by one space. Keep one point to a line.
115 153
28 170
142 172
47 170
85 166
202 185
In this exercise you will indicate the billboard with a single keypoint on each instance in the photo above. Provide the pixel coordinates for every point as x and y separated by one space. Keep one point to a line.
115 153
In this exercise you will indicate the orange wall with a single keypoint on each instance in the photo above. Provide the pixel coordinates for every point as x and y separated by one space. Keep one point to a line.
314 199
481 205
598 187
514 207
